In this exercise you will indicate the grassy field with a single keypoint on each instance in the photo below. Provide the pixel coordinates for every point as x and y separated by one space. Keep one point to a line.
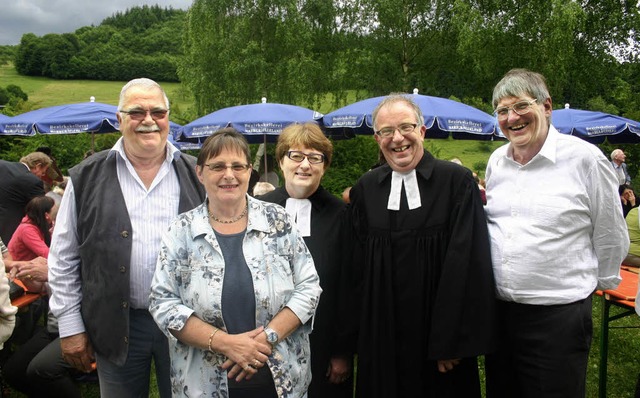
45 92
624 351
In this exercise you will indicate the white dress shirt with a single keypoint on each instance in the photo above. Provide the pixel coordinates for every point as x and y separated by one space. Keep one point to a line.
556 225
150 211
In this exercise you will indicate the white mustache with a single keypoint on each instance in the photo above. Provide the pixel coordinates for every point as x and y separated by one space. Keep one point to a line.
147 129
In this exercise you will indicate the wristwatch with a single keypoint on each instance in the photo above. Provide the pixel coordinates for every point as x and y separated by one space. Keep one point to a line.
272 336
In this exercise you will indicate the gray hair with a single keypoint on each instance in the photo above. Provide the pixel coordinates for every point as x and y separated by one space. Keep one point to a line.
398 97
519 82
615 153
142 82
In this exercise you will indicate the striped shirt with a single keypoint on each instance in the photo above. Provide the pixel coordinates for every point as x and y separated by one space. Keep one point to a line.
150 211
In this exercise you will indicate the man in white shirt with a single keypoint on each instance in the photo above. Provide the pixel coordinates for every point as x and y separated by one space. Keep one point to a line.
116 205
557 235
620 167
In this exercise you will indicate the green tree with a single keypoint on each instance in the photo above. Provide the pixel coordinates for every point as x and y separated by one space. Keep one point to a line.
4 96
237 52
16 91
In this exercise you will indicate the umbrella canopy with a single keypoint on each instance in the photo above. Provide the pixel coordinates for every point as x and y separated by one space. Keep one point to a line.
596 126
258 122
91 117
442 117
3 118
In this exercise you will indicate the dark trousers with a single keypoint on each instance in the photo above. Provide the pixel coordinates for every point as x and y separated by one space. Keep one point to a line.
37 369
543 351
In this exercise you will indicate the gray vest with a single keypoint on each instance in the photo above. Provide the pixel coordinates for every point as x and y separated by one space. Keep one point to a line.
104 235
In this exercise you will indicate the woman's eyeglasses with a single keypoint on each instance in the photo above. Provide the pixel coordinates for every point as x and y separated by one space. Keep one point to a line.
221 167
298 156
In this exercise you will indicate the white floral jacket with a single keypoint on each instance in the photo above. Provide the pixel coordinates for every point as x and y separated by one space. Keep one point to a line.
188 280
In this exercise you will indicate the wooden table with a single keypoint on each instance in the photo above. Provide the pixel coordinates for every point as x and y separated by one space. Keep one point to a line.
624 296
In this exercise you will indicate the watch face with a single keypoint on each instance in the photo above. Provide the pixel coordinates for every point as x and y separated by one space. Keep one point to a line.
272 336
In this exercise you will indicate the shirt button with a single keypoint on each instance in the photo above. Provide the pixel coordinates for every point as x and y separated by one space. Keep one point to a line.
123 269
126 340
125 305
124 234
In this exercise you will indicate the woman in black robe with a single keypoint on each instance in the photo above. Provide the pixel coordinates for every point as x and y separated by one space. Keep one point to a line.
304 154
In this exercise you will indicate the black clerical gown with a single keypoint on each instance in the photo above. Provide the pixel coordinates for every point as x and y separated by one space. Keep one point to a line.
326 245
426 287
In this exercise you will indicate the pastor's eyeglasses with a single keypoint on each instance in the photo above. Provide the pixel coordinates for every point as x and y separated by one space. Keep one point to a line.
313 158
140 114
404 129
237 168
520 108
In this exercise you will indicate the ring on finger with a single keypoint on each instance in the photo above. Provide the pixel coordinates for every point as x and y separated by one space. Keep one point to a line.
256 363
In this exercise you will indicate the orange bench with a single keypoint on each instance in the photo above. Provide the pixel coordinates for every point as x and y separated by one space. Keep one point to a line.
624 296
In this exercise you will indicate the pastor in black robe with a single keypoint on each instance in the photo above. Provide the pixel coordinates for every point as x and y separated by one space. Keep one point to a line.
425 286
326 245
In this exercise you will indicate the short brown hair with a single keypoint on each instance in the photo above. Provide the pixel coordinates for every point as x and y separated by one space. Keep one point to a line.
307 134
226 138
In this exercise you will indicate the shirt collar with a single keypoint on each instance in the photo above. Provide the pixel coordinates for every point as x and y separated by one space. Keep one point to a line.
548 150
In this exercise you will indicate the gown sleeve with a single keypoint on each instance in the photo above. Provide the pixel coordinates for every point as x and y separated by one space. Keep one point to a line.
464 309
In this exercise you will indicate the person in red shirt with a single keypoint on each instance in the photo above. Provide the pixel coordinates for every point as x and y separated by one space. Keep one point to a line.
33 236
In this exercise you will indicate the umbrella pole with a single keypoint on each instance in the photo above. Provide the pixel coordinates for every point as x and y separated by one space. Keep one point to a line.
93 145
264 156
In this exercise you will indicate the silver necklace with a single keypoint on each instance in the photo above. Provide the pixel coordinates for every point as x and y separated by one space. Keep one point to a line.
236 219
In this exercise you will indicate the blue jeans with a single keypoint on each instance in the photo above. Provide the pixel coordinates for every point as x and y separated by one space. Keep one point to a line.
146 342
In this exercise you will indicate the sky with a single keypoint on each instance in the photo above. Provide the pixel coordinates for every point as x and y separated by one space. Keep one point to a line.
40 17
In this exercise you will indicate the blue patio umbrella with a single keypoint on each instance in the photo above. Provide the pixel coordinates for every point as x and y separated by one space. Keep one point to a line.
595 127
3 118
259 123
86 117
442 117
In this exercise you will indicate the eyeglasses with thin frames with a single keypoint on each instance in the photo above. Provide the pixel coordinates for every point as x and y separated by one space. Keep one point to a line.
519 108
313 158
140 114
237 168
404 129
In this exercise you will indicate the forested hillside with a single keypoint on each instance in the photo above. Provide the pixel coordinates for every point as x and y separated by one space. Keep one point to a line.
143 41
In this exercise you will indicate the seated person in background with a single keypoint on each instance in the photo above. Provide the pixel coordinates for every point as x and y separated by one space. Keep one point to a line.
483 192
633 226
7 311
57 190
37 367
269 174
262 188
33 236
627 198
253 180
30 241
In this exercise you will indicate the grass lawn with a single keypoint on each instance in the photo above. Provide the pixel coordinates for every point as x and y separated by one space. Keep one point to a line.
44 92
